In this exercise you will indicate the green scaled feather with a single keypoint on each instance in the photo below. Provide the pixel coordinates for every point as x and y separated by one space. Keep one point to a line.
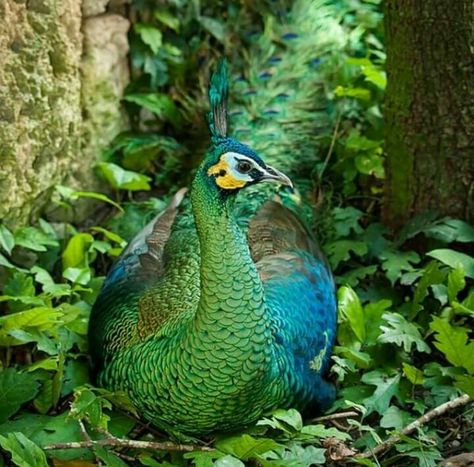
218 92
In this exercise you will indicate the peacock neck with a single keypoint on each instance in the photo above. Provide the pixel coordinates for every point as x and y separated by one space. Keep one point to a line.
230 283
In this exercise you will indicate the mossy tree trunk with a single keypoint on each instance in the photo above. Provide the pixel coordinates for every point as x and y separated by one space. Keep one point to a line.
429 109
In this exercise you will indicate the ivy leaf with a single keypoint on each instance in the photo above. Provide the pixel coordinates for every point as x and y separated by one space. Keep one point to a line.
24 452
350 310
454 259
454 343
15 389
150 35
387 387
7 240
122 179
394 262
402 333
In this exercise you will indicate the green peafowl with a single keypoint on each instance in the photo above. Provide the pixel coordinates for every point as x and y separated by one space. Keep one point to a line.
223 308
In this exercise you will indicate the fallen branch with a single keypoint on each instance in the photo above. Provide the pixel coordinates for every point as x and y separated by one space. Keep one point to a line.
424 419
127 443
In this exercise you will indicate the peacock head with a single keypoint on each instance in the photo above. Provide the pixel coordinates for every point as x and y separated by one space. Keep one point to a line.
229 164
232 165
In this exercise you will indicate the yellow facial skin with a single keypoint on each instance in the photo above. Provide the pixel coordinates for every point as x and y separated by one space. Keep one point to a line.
226 181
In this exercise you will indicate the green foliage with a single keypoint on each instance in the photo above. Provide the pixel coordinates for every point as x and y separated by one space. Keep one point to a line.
404 342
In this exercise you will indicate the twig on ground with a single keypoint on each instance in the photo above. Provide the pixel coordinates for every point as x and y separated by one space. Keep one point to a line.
424 419
113 441
335 416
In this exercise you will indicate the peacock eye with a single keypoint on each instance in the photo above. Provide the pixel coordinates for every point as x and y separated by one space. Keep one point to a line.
244 167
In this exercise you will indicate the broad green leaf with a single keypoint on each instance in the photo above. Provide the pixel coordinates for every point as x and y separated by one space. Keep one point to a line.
455 260
7 240
15 389
24 452
454 343
122 179
386 389
402 333
245 447
350 310
34 239
451 230
39 318
395 418
44 401
160 104
291 417
150 35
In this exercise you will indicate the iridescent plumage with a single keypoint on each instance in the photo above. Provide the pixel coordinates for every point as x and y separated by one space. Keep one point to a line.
223 309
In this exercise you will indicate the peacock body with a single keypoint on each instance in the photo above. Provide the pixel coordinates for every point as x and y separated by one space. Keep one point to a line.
223 308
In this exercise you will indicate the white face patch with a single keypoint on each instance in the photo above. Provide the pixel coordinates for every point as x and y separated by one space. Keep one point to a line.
233 159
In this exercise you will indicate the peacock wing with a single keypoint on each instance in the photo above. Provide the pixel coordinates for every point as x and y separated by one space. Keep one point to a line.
300 295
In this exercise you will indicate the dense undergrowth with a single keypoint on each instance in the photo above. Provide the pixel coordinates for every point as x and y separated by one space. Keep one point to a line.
406 301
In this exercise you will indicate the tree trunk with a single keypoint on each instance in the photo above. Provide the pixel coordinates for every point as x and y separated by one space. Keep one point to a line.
429 109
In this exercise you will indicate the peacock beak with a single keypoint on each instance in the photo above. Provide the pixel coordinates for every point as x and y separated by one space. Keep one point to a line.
273 175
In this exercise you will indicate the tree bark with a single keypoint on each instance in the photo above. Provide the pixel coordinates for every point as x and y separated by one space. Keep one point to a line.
429 109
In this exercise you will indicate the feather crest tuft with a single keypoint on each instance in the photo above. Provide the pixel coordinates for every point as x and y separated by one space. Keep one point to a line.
218 92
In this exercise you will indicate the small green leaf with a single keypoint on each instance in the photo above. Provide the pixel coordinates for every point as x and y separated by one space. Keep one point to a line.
7 240
456 283
245 447
414 375
167 18
24 452
340 250
455 260
150 35
122 179
34 239
350 310
75 255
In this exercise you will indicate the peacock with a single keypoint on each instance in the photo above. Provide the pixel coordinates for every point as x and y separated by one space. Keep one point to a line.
223 309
